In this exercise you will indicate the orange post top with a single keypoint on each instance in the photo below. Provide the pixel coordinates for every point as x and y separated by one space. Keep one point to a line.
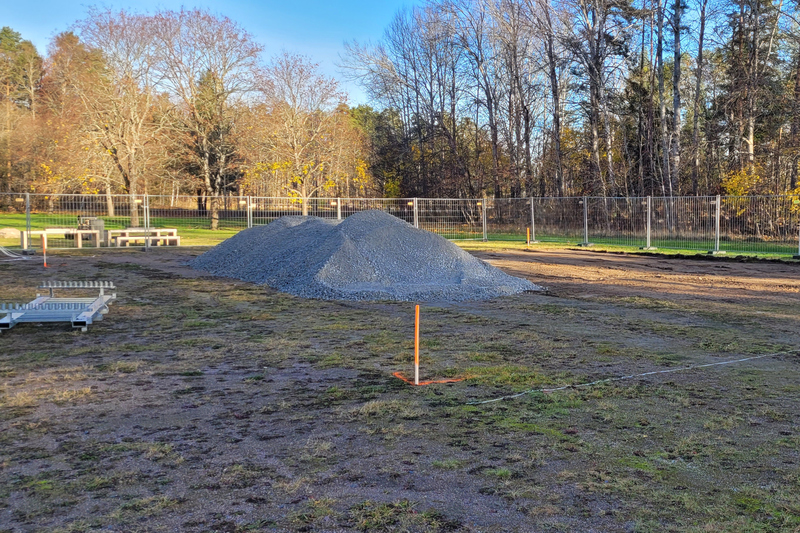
416 337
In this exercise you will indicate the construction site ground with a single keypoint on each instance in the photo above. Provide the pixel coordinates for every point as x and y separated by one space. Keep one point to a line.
210 404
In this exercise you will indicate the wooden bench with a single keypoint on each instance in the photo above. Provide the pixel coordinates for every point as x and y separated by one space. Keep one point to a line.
166 240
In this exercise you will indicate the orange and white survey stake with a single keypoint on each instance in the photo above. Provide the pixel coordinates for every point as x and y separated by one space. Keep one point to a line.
399 375
416 346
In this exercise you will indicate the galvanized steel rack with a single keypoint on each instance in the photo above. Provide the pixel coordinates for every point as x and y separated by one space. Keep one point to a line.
80 312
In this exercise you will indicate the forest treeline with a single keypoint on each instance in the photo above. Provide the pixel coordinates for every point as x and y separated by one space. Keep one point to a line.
599 97
177 102
470 98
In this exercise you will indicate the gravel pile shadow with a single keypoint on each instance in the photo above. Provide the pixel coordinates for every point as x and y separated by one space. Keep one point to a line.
369 256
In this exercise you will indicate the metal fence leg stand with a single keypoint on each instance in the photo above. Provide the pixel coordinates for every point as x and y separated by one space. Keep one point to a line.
647 245
249 212
585 203
338 209
718 208
533 225
416 213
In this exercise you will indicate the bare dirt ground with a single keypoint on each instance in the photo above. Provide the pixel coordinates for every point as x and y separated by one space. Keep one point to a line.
207 404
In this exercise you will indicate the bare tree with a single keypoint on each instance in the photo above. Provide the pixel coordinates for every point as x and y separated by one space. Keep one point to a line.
597 33
117 90
208 65
304 123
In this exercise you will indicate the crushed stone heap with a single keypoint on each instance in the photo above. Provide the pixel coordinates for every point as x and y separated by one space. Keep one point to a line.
369 256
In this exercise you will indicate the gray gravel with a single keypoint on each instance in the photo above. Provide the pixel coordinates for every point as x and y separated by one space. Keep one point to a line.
369 256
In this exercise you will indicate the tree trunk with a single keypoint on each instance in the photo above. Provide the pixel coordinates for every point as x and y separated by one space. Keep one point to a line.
752 86
109 199
665 172
609 140
215 211
595 100
556 96
796 127
202 206
6 185
134 207
491 115
675 154
696 114
304 198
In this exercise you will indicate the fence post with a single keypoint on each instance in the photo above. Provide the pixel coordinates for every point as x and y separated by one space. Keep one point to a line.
249 211
483 219
533 225
648 246
718 204
798 241
338 209
27 249
146 207
416 213
585 203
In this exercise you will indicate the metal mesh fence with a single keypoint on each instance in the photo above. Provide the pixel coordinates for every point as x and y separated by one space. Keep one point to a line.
766 224
756 224
451 218
402 208
558 220
617 221
684 223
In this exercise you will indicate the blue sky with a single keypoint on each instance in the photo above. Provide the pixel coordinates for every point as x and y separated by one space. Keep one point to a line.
316 28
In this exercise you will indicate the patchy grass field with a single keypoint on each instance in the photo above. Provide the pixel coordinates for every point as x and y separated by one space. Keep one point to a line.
205 404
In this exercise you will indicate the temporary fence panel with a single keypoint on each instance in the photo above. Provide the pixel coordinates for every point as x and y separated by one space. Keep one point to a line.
199 212
15 216
264 209
453 219
686 223
508 219
763 224
616 221
558 220
54 212
402 208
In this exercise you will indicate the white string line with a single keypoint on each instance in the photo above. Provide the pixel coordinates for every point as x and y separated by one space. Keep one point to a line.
13 255
631 376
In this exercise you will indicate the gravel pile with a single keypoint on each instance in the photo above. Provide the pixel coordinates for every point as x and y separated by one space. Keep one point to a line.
369 256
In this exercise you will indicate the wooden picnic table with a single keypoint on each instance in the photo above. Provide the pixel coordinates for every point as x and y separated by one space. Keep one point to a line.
155 236
79 234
